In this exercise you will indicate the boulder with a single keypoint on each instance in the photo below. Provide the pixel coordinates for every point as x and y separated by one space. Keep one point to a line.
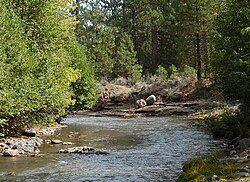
141 103
213 178
56 142
242 174
83 150
150 100
31 132
11 152
67 143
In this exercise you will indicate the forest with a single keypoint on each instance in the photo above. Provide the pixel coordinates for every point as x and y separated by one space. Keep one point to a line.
53 53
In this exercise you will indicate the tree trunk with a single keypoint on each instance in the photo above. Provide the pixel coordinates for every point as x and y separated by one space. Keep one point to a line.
154 43
204 52
198 56
134 33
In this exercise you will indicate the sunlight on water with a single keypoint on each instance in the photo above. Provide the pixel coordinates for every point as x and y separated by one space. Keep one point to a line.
141 149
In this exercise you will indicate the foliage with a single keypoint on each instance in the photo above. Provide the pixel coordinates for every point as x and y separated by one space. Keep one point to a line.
173 71
161 72
231 60
85 88
35 62
198 169
185 71
98 38
125 61
228 123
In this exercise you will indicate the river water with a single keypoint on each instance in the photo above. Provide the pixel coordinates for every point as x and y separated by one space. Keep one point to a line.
141 149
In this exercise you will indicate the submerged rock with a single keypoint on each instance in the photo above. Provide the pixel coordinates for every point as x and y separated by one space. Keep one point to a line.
242 174
20 146
83 150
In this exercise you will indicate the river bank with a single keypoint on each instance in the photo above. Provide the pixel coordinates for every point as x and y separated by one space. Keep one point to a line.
131 115
235 153
194 110
29 143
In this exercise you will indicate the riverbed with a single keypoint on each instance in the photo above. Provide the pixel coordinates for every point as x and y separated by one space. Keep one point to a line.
141 149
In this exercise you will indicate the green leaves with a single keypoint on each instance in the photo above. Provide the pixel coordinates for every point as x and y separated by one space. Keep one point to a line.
36 63
231 63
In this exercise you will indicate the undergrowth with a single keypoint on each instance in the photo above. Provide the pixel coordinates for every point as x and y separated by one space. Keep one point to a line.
199 169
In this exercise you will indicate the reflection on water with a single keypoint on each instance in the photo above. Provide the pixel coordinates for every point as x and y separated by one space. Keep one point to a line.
141 149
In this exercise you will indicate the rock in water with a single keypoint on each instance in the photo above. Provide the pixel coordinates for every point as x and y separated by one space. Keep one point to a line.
141 103
56 141
11 152
151 100
67 143
83 150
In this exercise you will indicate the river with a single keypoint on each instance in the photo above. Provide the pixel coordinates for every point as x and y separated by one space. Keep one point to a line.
141 149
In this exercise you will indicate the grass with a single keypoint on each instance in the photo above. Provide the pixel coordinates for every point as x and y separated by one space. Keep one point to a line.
201 168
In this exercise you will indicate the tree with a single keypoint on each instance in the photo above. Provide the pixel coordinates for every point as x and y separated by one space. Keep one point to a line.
100 31
125 59
142 19
35 62
98 38
194 20
231 60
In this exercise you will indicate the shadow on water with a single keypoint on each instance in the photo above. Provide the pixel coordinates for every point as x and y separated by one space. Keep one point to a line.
141 149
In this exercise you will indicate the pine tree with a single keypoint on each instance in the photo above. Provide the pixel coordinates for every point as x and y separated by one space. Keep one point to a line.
126 64
231 60
194 19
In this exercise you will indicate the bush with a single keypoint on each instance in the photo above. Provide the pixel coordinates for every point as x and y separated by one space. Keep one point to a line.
185 71
161 72
229 123
201 168
85 88
35 66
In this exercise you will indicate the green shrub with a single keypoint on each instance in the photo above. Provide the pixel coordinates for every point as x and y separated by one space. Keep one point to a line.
35 64
85 88
229 123
200 168
161 72
172 72
185 71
